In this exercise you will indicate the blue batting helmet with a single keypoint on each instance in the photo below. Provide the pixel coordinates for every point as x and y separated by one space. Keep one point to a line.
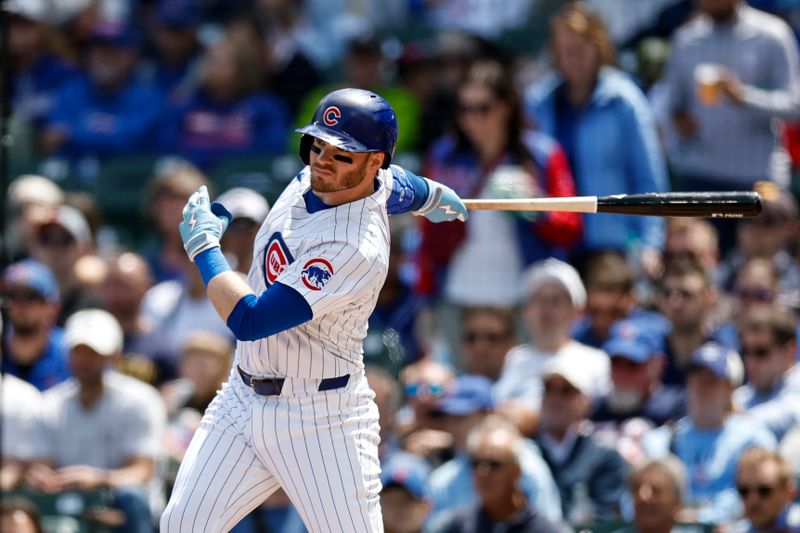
354 120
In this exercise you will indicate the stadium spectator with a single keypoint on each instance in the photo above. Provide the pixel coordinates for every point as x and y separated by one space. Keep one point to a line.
637 363
733 71
487 334
167 192
393 338
607 129
388 398
107 110
403 501
31 200
611 295
175 69
554 298
33 346
711 439
20 414
771 236
249 209
19 515
494 450
769 348
576 459
492 154
228 114
767 488
687 298
658 488
127 414
691 240
464 407
37 70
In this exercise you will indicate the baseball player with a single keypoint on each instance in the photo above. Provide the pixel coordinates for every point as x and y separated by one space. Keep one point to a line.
297 412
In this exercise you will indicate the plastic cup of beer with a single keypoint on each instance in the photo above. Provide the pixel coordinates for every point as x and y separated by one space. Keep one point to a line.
707 77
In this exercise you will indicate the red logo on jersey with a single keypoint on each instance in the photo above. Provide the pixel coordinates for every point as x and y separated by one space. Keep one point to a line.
316 273
331 116
275 261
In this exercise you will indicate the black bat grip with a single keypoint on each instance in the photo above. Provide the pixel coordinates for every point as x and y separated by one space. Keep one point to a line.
684 204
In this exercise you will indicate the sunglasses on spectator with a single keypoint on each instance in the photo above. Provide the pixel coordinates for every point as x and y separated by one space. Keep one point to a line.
480 108
754 294
28 296
59 239
759 352
241 225
493 464
763 491
560 391
488 336
416 389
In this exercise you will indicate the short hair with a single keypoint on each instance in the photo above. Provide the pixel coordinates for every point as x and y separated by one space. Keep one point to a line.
581 19
15 504
609 271
754 264
779 321
670 464
757 455
491 424
505 314
688 224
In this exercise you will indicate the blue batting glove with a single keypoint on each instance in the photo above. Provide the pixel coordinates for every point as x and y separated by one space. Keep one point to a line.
443 204
203 223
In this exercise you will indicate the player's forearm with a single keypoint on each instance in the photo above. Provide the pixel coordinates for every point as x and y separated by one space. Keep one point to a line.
225 291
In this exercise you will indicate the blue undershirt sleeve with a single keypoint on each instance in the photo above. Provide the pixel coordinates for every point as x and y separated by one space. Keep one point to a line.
277 309
409 192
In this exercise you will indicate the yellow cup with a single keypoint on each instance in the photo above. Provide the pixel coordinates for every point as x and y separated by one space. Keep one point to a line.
707 77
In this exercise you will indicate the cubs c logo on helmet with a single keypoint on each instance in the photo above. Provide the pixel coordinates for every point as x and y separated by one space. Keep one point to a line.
331 116
316 273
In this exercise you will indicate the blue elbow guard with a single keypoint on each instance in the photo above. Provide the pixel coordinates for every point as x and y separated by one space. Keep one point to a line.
278 309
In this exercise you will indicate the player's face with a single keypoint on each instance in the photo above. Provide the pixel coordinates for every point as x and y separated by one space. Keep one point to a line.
334 169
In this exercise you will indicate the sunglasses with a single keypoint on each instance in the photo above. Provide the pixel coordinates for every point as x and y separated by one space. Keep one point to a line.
338 157
493 337
763 491
754 295
482 108
493 464
23 296
241 225
416 389
560 391
759 352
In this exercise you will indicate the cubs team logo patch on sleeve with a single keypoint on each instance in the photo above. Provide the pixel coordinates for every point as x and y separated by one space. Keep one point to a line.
316 273
276 257
331 116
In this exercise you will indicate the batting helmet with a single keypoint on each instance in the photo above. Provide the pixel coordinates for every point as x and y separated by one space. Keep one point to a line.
354 120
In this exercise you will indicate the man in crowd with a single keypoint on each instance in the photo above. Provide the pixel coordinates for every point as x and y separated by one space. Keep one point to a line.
102 429
33 346
767 488
403 501
769 348
494 449
573 455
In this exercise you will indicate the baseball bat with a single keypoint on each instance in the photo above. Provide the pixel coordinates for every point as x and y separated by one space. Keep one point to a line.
661 204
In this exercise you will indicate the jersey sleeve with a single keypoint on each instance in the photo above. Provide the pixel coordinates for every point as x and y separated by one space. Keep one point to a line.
334 275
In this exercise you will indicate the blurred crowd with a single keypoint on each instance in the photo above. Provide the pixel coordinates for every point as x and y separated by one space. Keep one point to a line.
533 372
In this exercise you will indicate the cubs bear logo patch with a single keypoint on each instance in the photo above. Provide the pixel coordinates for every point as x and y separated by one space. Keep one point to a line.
316 273
276 258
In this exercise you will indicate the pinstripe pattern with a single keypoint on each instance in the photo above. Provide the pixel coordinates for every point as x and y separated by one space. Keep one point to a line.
320 447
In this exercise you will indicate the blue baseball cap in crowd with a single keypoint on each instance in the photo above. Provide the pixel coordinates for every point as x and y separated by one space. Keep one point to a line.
33 275
724 362
468 394
406 470
635 340
115 33
181 14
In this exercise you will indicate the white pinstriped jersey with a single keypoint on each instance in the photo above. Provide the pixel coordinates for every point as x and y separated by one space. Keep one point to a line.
337 259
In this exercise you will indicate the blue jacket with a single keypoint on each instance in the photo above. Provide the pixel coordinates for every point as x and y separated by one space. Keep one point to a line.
106 123
613 148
